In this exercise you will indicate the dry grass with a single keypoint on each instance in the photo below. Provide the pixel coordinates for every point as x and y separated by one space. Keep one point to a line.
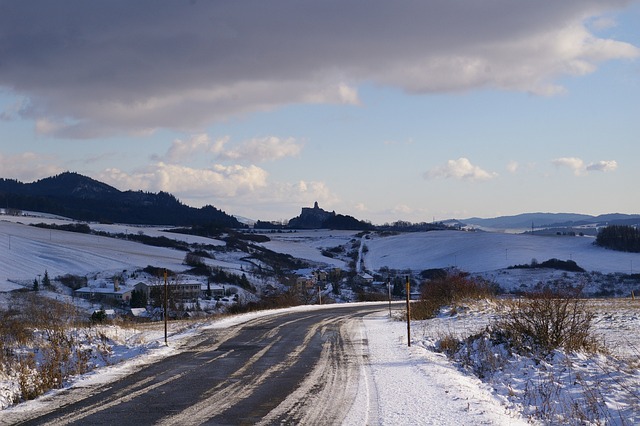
39 342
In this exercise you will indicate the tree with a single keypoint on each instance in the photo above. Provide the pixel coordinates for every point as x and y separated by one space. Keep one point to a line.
45 280
99 316
398 287
36 285
138 299
619 237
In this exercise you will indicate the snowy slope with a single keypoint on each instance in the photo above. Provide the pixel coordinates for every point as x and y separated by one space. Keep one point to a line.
29 251
484 251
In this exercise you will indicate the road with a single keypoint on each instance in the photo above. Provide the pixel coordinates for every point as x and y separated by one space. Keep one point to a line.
293 368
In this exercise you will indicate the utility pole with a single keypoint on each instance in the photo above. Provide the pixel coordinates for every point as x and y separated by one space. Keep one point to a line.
166 296
408 286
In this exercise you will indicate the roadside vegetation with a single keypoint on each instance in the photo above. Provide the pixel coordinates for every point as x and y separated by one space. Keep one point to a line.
44 342
539 352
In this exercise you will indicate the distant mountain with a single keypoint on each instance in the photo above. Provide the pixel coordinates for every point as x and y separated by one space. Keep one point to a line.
82 198
551 220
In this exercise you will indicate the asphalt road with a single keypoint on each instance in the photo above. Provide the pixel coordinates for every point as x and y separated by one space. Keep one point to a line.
293 368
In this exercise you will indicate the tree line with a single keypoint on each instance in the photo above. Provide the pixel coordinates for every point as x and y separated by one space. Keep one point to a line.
619 237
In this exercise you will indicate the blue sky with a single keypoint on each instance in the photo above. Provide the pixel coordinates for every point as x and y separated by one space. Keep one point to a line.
415 111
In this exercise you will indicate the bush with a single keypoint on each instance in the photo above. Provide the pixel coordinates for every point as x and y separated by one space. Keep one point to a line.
74 282
547 321
98 316
449 290
193 260
562 265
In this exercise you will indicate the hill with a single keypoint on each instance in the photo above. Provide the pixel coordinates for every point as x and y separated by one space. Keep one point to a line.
81 198
526 221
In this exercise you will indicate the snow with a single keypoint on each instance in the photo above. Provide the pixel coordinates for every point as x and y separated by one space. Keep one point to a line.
484 251
411 385
400 385
29 251
308 244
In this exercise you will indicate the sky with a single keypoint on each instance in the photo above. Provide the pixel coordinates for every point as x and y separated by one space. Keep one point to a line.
415 110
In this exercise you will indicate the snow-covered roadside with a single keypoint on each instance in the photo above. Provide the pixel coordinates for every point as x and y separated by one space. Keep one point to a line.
400 385
411 385
403 385
561 388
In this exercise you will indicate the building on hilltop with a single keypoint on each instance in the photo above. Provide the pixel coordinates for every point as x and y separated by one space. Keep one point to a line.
311 218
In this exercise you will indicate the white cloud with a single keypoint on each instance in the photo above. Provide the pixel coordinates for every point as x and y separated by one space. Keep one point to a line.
255 150
401 209
132 67
360 207
460 169
28 166
513 166
198 144
579 168
573 163
235 188
190 183
603 166
264 149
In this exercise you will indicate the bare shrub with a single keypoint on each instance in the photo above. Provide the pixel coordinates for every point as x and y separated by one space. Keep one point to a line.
39 343
449 290
550 320
448 344
193 260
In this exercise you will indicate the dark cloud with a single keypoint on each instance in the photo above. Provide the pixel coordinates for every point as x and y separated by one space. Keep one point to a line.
98 67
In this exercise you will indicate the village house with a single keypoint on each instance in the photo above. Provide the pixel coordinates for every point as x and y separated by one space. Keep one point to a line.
185 291
105 294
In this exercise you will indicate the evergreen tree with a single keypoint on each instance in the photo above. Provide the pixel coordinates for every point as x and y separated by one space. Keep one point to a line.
138 299
619 237
46 282
398 287
36 285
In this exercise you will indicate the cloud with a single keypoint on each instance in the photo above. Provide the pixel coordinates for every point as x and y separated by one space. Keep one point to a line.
513 166
603 166
579 168
603 23
28 166
264 149
235 187
460 169
191 183
92 69
573 163
255 150
197 145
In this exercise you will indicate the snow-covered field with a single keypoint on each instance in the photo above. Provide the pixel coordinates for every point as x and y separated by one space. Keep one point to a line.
402 385
29 251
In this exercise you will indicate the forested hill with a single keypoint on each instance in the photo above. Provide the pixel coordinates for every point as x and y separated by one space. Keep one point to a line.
79 197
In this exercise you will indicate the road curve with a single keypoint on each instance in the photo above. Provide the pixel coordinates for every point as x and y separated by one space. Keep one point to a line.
290 368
